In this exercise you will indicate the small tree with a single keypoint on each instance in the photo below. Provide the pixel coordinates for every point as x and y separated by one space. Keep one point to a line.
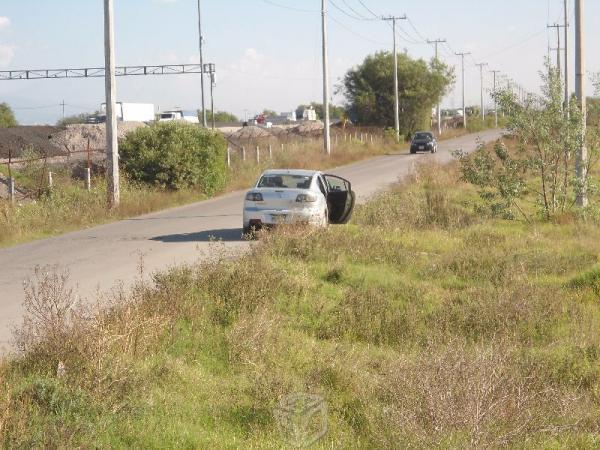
548 140
7 117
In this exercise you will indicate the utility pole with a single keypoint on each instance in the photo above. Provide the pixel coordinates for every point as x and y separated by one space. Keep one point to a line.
396 87
582 157
558 47
462 55
566 26
201 41
495 72
326 130
63 108
435 42
481 66
112 144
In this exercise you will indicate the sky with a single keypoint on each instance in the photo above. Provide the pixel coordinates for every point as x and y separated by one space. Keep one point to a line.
267 52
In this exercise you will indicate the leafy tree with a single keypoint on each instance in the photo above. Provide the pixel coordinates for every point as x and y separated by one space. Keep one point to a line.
548 142
7 117
222 116
369 90
175 155
269 113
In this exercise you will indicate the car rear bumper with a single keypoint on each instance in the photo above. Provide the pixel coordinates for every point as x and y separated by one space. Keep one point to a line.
282 216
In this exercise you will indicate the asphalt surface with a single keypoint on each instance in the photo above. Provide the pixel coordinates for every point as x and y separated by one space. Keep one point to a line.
100 258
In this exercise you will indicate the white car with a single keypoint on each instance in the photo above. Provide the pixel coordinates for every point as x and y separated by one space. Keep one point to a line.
297 196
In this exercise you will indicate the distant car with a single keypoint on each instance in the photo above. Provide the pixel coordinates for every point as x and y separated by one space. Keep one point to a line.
297 196
423 141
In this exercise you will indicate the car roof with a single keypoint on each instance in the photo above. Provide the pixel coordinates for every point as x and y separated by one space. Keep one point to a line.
423 132
300 172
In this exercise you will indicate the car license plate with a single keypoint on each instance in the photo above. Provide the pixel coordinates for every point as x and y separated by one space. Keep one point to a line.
421 147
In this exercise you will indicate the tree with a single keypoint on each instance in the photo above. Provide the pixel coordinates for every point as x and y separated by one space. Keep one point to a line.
269 113
544 163
369 90
222 116
7 117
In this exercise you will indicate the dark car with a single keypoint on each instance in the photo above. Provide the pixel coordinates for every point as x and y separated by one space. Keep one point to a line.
423 141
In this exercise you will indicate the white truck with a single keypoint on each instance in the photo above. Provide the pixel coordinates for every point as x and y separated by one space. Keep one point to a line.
130 112
178 114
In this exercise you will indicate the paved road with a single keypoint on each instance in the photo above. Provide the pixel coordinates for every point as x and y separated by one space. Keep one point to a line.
98 258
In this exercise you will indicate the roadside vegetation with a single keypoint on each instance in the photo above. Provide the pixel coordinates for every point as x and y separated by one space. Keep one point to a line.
422 324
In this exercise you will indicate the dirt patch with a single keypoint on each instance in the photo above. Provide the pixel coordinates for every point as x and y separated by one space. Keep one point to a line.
250 133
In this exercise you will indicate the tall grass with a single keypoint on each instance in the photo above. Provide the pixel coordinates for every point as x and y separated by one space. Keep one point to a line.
421 324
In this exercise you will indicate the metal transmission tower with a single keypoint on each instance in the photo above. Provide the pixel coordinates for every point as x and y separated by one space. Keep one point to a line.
100 72
582 157
396 87
462 55
326 130
435 42
112 144
201 41
481 66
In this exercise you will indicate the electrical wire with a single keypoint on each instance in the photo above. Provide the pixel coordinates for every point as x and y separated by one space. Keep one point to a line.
350 30
291 8
346 13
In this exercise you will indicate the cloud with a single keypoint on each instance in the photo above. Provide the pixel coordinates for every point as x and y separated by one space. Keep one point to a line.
7 53
4 23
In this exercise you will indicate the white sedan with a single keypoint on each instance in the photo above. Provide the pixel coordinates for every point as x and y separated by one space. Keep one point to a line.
298 196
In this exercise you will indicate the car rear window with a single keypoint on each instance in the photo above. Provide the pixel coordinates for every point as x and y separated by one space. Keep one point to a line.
285 181
422 136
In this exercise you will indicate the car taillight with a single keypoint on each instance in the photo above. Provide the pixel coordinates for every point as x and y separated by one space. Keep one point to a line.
306 198
254 197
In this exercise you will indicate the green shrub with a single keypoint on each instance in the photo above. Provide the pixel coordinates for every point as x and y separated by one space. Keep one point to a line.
175 156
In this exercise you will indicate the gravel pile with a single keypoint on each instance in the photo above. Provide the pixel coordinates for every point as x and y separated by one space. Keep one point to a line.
251 132
17 139
75 137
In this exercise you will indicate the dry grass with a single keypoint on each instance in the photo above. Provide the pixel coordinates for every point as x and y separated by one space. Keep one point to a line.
421 324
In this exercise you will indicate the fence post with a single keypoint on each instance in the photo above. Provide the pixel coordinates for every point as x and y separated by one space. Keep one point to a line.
88 179
11 189
228 157
282 147
243 153
50 180
270 151
371 139
257 154
336 139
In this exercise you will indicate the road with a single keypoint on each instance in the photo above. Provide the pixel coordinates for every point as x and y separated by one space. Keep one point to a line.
99 258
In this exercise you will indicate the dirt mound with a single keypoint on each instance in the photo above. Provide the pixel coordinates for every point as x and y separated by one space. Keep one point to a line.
37 138
251 132
309 128
75 137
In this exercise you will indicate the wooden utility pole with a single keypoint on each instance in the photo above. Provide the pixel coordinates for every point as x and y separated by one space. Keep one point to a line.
396 87
439 110
582 157
326 130
112 144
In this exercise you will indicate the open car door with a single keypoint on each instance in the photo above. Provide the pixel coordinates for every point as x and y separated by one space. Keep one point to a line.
340 199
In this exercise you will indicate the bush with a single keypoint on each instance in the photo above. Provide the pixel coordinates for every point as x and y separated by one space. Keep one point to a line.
175 156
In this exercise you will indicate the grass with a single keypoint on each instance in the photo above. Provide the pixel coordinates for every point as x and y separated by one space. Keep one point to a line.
422 325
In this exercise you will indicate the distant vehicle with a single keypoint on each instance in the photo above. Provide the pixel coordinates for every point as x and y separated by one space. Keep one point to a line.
178 114
129 112
423 141
309 114
297 196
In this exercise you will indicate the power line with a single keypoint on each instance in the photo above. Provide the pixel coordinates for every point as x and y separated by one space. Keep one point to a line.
356 12
369 10
346 13
291 8
350 30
